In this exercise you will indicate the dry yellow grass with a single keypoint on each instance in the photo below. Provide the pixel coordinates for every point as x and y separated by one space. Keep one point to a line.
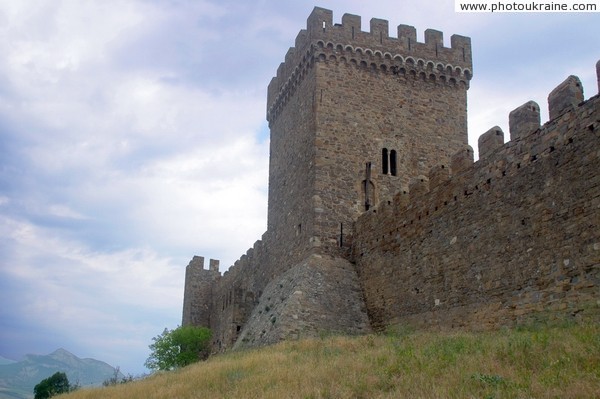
533 362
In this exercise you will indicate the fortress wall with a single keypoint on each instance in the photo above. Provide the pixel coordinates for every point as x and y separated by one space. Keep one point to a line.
262 299
517 232
238 292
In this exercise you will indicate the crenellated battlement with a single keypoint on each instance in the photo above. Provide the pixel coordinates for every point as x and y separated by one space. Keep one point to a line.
402 57
447 185
490 243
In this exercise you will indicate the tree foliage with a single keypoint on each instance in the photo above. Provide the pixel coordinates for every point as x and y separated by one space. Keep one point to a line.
179 347
54 385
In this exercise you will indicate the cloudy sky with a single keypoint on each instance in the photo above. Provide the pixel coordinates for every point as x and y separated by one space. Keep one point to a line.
133 136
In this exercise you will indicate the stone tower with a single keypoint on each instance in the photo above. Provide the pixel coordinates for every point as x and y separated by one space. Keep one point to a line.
198 292
354 116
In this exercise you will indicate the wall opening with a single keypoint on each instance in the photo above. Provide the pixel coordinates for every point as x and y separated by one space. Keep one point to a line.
393 163
368 188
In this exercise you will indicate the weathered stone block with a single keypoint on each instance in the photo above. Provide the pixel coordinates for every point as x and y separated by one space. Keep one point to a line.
461 160
566 95
438 174
490 141
524 120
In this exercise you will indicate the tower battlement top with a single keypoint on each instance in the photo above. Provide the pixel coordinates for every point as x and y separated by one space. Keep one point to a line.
323 39
320 25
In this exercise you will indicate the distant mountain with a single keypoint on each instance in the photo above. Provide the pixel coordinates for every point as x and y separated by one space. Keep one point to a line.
17 379
4 361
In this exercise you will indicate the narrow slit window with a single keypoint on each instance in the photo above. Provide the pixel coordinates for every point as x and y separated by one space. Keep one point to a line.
393 163
368 187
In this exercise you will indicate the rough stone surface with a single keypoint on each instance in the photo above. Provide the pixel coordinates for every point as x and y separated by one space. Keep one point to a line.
378 214
490 141
321 295
516 234
567 95
198 292
524 120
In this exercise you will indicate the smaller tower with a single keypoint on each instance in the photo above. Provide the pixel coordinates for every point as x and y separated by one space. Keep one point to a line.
198 292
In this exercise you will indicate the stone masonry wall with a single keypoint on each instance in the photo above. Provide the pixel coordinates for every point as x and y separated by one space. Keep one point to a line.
363 112
489 244
320 295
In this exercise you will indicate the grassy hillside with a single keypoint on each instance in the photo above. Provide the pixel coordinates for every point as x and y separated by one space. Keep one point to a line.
530 362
